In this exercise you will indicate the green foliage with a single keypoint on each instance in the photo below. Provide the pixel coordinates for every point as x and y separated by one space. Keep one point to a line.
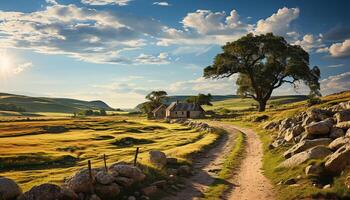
201 99
155 100
263 63
313 100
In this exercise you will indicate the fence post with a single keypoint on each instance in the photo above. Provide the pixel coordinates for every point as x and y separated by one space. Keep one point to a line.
91 178
104 159
136 153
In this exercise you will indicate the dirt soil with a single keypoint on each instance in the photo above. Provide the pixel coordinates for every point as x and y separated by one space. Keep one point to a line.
248 183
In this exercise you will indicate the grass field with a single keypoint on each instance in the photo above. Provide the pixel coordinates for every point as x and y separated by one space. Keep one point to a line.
34 152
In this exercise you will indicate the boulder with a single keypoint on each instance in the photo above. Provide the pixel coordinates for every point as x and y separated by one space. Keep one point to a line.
104 178
336 133
81 182
94 197
124 181
307 121
339 142
128 171
293 132
157 158
184 170
160 184
48 192
337 162
317 152
171 161
342 116
106 192
286 123
306 144
270 125
313 170
319 128
317 114
148 191
276 143
347 134
9 189
343 125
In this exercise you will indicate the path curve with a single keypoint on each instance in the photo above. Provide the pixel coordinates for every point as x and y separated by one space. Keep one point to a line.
250 183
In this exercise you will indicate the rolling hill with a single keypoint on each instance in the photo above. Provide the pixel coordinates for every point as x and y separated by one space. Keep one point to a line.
46 104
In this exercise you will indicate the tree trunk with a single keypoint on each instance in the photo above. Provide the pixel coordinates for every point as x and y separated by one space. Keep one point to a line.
262 105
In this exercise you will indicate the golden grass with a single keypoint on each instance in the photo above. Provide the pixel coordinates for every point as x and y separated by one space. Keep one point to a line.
89 139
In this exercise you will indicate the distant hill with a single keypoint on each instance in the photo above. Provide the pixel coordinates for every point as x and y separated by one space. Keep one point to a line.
46 104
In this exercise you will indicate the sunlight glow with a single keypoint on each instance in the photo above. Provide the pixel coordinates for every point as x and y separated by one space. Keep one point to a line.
6 63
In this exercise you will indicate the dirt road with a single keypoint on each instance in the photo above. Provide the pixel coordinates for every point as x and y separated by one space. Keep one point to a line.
247 184
250 183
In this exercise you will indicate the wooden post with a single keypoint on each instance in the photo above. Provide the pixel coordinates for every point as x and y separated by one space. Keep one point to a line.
136 153
104 159
90 175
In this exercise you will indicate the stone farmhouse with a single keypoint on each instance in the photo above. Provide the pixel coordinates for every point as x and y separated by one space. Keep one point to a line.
178 110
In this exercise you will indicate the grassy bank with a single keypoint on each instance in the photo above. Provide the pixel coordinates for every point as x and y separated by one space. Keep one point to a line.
217 189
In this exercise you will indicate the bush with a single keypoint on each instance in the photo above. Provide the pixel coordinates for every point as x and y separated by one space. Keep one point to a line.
11 107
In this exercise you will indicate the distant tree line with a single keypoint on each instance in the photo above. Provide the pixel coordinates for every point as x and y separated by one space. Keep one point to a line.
11 107
101 112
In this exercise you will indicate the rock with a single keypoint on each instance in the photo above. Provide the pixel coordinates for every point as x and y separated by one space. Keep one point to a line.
184 170
342 116
94 197
286 123
328 186
171 161
104 178
157 158
339 142
128 171
318 128
148 191
277 143
290 181
261 118
308 120
318 114
131 198
306 144
337 162
317 152
107 191
9 189
160 184
270 125
343 125
80 182
313 170
124 181
347 134
336 133
293 132
49 192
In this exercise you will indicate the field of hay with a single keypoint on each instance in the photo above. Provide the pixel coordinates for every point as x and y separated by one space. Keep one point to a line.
48 150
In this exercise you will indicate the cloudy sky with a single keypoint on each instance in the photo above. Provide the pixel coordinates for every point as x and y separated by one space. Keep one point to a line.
119 50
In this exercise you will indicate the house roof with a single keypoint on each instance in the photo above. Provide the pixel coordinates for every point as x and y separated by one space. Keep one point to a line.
159 108
175 106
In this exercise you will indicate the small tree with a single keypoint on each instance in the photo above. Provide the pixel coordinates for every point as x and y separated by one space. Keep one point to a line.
201 99
264 63
103 112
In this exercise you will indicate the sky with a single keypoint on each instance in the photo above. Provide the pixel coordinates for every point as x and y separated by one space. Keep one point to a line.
120 50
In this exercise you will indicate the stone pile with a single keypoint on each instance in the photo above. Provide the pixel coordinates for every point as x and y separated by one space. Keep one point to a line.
322 134
201 126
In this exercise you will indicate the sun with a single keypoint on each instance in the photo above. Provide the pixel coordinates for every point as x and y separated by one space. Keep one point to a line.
6 63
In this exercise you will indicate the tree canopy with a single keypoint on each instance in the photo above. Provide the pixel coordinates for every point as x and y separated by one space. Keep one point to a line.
155 99
264 63
201 99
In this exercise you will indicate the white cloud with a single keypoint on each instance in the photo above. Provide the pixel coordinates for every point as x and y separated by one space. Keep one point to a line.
336 65
53 2
161 3
162 58
340 50
278 23
106 2
21 67
311 43
337 83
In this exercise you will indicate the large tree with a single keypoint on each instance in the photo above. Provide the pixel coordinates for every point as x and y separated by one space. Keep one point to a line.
263 63
155 99
201 99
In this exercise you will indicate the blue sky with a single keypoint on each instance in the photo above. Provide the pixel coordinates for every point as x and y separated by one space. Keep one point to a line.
119 50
